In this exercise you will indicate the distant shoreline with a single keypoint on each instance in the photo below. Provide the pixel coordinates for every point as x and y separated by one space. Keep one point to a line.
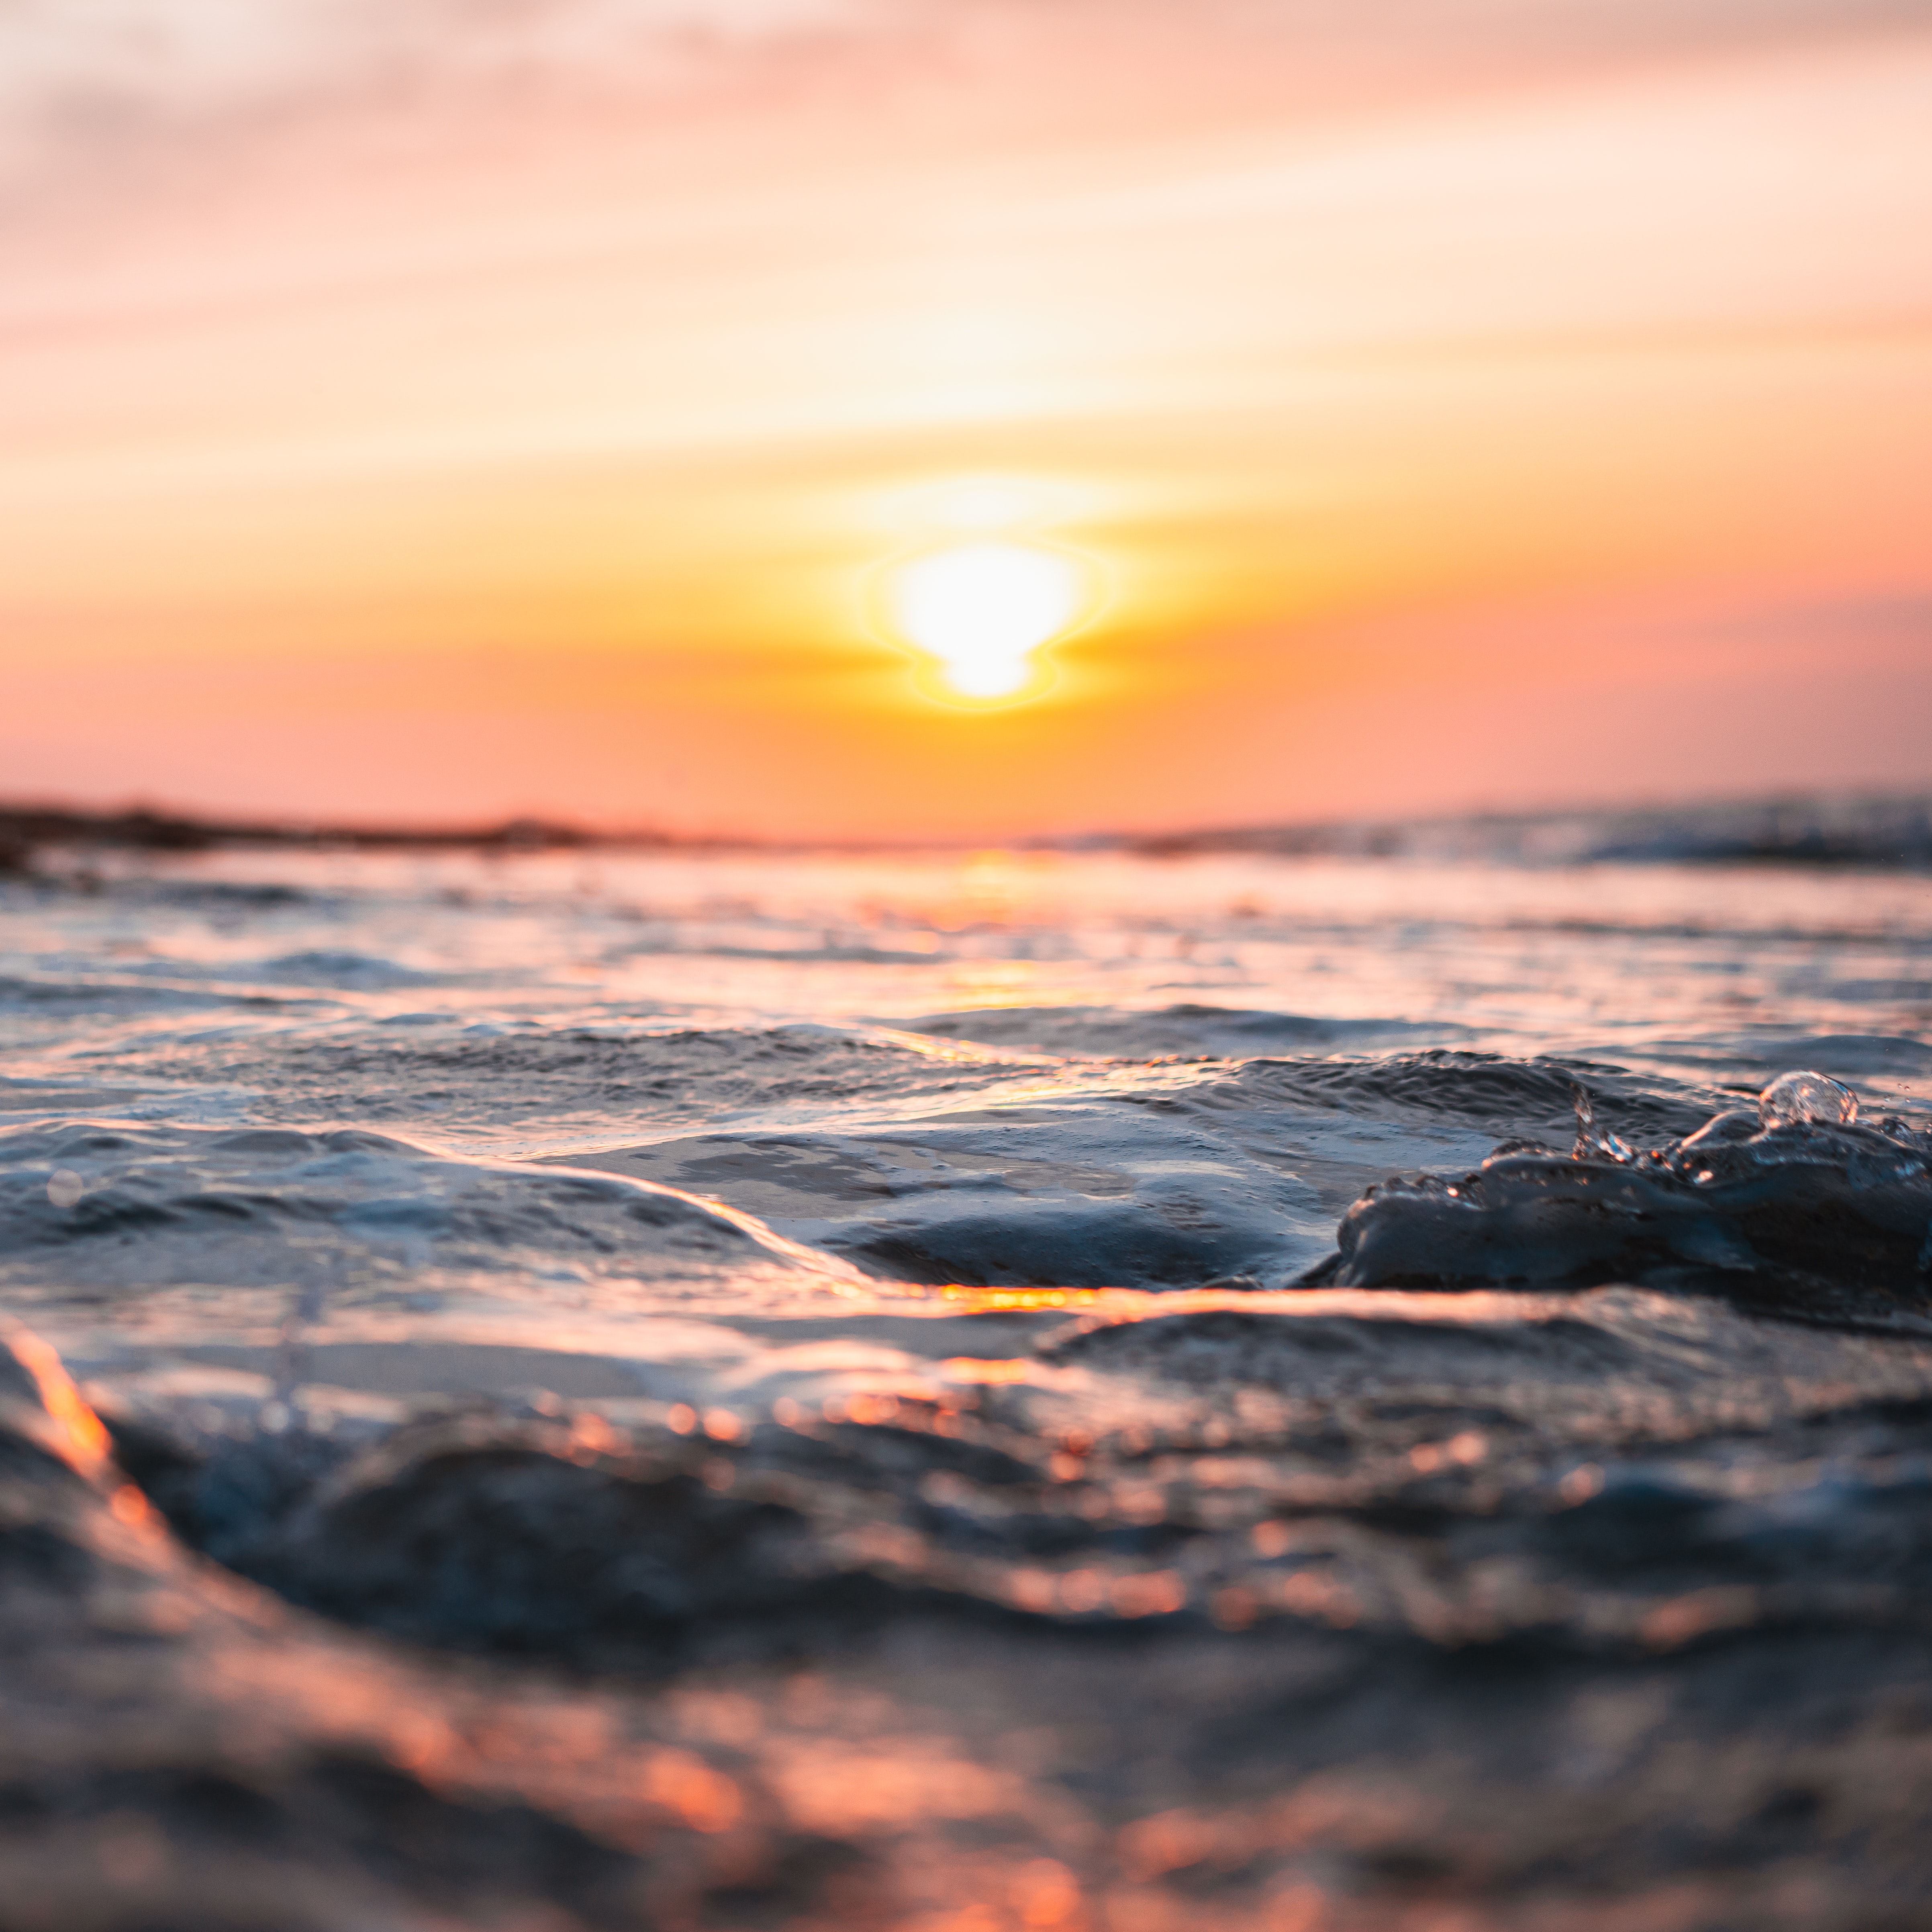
1888 829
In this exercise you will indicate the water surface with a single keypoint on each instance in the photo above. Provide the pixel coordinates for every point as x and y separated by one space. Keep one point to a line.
746 1391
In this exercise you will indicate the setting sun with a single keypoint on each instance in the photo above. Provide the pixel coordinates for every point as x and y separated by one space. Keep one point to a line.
982 609
975 419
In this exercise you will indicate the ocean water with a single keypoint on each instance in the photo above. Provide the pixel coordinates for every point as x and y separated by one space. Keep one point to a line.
1016 1390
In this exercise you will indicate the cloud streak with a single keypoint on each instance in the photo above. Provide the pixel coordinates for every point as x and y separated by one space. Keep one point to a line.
79 78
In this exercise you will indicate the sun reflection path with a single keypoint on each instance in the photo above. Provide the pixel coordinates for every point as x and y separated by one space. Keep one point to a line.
982 609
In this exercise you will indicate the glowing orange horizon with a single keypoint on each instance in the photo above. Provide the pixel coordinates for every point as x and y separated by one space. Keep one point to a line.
1083 441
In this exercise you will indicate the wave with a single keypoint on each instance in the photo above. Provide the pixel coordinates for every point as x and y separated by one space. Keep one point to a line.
1186 1030
88 1206
450 1075
1792 1197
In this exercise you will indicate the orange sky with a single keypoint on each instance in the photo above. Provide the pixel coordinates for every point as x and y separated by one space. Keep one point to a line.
427 410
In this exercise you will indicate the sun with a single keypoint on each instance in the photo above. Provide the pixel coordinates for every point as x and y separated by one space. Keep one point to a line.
983 609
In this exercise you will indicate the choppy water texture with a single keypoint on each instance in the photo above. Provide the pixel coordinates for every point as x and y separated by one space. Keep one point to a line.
1032 1392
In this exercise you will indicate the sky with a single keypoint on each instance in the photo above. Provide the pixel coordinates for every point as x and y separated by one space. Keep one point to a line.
436 410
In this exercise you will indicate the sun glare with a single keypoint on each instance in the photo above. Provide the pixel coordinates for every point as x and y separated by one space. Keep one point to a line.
982 609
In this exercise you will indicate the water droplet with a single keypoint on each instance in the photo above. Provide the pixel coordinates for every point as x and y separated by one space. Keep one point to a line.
1593 1142
65 1187
1792 1098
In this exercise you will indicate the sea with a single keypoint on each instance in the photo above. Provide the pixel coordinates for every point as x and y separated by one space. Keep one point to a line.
1114 1390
